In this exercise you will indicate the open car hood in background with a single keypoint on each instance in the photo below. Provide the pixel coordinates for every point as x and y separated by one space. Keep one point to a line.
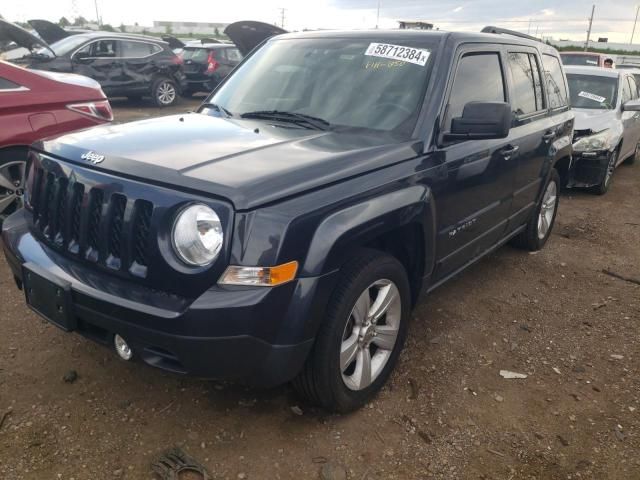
48 31
13 33
248 34
173 42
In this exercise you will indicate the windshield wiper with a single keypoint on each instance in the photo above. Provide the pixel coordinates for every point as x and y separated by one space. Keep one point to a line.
293 117
218 108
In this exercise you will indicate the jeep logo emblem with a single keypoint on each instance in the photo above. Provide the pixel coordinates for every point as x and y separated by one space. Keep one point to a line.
92 157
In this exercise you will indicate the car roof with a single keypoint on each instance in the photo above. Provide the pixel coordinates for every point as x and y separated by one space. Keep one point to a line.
597 71
591 54
209 45
457 37
120 36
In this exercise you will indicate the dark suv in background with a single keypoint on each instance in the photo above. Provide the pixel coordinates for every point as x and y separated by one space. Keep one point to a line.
285 230
207 64
123 64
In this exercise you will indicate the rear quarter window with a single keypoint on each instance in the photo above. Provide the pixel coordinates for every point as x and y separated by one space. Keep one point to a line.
556 85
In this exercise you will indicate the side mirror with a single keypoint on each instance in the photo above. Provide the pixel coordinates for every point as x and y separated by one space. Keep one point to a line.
481 120
631 106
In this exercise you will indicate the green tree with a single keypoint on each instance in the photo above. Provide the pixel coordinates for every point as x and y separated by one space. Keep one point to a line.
123 28
107 28
216 32
64 22
168 30
80 21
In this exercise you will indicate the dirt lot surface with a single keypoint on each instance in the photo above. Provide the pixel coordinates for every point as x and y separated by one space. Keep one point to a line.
447 413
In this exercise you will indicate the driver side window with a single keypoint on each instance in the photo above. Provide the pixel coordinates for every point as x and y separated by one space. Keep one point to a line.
479 78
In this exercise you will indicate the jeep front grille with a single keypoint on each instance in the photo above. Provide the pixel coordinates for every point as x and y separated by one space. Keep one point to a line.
90 222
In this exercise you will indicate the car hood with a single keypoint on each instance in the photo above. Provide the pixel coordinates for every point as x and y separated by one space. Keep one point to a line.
247 162
592 119
22 38
49 32
247 35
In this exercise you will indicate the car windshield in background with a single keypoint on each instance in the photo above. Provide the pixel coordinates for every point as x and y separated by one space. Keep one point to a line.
64 46
341 82
195 54
581 60
592 91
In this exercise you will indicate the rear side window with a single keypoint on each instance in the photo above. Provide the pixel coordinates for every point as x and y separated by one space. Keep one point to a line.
233 54
633 86
138 49
626 91
556 87
478 78
7 84
527 86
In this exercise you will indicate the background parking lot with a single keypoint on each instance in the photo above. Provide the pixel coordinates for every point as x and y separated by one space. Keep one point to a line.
446 413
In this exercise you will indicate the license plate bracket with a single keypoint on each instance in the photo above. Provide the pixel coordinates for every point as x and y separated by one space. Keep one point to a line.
49 296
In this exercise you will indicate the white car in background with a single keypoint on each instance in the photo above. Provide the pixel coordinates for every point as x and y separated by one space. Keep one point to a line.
607 124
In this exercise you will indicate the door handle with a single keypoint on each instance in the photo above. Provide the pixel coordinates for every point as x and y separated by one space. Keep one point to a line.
509 151
547 137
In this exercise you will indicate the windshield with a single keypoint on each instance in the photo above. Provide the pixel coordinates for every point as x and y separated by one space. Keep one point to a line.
592 91
344 82
582 60
64 46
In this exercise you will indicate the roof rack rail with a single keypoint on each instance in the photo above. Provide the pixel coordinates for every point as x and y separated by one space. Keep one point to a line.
505 31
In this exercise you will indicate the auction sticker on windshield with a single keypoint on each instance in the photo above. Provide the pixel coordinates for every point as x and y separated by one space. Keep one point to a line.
591 96
398 52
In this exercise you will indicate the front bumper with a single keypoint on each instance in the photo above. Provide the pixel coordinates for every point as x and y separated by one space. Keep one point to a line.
588 168
259 336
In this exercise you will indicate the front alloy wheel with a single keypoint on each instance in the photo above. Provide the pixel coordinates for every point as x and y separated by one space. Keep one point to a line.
11 187
370 334
608 174
361 335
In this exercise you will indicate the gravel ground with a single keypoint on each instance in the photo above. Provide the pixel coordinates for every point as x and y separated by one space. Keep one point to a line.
447 413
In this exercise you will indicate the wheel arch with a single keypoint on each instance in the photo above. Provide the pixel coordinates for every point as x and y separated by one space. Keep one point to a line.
400 223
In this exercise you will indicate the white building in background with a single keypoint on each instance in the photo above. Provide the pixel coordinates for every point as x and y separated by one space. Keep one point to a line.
179 28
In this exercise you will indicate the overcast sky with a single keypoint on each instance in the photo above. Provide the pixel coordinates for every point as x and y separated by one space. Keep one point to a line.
560 19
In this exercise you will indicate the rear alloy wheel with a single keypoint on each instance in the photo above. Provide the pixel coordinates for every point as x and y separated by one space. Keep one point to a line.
11 187
361 336
165 92
539 226
608 174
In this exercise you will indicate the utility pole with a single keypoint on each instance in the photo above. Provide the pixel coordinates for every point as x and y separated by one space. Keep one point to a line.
378 15
633 32
593 11
95 2
282 10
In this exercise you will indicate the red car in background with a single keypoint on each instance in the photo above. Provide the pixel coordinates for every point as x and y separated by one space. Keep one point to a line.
34 105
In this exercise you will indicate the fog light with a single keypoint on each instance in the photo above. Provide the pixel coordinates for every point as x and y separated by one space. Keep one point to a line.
122 347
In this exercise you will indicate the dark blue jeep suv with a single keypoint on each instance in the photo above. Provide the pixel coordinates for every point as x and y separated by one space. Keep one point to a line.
284 231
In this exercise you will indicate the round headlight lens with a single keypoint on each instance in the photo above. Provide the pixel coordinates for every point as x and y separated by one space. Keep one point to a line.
197 235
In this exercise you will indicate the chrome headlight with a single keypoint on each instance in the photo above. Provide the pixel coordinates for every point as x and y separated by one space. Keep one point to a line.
197 235
599 141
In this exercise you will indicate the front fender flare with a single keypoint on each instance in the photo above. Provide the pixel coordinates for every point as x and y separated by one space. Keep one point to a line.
354 226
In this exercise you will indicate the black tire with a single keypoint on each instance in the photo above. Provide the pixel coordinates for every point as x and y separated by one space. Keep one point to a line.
164 92
632 159
532 238
607 178
321 380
